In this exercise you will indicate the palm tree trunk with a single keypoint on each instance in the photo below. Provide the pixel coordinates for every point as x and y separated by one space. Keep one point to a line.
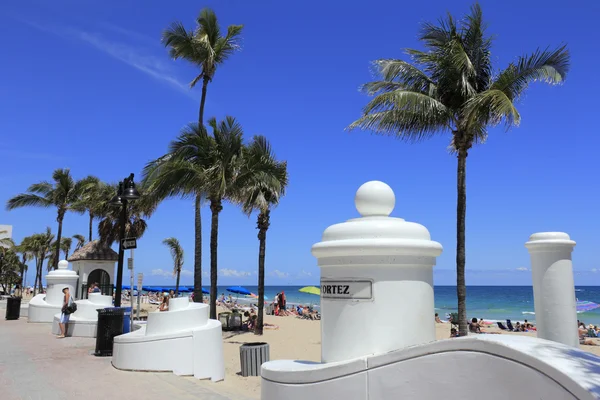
91 226
203 100
58 238
461 213
177 283
198 250
262 225
215 208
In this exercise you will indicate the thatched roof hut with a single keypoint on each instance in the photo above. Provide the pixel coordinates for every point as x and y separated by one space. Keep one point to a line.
94 250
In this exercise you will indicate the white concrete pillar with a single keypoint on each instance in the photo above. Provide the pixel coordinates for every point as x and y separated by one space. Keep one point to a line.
59 279
376 280
553 287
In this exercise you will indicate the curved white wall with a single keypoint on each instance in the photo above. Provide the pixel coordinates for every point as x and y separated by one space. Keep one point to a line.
182 340
84 321
494 367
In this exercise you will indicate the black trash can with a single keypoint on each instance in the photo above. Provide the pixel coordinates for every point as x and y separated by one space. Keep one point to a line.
110 324
252 356
13 308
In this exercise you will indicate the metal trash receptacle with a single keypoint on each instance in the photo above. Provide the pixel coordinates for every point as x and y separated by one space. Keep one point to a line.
110 324
252 356
127 320
13 308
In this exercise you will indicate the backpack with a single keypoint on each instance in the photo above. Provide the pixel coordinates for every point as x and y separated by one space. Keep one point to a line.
72 307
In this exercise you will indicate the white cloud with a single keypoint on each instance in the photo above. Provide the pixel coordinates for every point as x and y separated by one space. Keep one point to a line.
185 272
161 272
135 55
234 273
304 273
522 269
279 274
594 270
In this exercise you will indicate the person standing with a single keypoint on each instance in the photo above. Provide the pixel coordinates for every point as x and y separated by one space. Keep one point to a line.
65 315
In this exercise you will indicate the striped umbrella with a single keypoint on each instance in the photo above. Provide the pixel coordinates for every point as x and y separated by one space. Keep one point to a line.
583 306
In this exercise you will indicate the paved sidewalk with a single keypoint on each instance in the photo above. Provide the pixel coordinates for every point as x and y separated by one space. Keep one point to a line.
34 365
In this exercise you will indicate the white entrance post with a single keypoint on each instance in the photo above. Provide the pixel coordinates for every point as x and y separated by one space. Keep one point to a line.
376 280
553 287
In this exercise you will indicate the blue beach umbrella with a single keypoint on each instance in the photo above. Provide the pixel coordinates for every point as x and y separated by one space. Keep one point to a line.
238 290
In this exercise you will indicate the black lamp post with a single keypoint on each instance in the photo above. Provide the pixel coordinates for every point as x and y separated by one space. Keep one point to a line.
127 192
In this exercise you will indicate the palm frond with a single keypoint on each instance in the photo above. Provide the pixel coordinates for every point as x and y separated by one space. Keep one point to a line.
399 72
550 66
490 108
180 42
27 200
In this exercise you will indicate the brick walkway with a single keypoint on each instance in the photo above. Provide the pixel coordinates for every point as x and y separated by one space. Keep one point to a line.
34 365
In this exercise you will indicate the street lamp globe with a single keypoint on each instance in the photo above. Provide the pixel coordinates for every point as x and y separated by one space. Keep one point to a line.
130 192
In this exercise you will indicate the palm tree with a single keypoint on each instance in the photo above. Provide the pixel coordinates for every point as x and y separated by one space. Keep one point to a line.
170 176
177 254
80 241
210 161
39 245
204 47
26 256
259 187
109 228
452 87
9 265
92 197
62 195
207 49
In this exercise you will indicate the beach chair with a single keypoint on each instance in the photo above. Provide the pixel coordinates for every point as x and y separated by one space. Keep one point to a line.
510 325
501 326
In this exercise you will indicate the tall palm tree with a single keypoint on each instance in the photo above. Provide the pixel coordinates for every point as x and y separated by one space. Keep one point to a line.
212 161
205 48
62 194
138 212
170 176
80 241
91 200
177 254
452 87
259 187
9 267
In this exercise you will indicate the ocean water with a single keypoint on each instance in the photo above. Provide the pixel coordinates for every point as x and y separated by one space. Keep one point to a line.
487 302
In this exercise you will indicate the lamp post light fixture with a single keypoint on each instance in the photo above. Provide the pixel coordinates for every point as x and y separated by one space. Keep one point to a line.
127 192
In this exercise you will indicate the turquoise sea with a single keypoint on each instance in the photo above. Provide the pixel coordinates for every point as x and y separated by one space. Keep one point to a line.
487 302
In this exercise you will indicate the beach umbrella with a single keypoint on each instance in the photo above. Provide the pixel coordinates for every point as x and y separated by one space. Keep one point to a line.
583 306
238 290
311 290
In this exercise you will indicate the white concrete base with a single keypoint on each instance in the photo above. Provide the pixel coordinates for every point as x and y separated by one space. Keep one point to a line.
40 310
182 340
25 310
496 366
75 327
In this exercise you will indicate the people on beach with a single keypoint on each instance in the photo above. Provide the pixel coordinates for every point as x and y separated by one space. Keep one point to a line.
164 305
65 315
171 294
453 333
437 318
474 326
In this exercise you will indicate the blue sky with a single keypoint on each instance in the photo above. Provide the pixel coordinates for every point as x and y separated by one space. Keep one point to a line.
87 85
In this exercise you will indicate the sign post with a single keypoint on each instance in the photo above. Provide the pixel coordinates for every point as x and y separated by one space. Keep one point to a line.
139 290
130 266
129 243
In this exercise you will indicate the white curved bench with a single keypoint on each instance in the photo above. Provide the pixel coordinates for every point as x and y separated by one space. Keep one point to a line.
496 366
84 321
40 310
182 340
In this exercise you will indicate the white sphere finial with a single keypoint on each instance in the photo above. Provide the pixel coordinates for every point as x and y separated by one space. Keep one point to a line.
63 264
375 198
